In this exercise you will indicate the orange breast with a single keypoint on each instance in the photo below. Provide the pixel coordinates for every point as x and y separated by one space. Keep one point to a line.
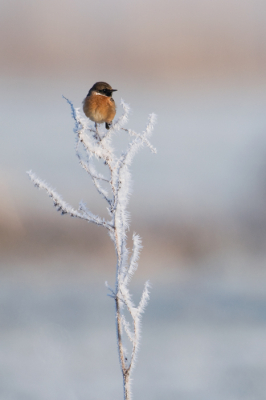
99 108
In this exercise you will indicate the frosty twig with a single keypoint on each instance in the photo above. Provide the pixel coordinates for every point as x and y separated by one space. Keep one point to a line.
97 144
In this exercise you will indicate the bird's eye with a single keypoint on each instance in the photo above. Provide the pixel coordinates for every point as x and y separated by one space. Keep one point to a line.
107 92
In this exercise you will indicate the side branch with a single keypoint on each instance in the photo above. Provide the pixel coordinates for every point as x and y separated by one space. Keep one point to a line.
133 265
95 179
64 207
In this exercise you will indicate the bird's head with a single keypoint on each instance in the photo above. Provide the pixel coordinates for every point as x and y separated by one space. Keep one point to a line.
102 88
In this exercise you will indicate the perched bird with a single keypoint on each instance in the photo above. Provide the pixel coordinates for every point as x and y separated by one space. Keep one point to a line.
99 106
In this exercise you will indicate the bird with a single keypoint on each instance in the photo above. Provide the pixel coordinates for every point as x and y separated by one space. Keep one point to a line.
98 105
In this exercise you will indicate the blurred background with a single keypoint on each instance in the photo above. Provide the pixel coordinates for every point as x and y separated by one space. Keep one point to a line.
199 204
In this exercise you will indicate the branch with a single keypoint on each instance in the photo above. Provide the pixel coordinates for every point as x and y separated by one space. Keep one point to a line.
112 293
126 325
144 298
64 207
92 142
95 177
126 158
81 125
134 258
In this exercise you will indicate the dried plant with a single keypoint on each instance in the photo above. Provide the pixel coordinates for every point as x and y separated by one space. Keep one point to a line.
91 144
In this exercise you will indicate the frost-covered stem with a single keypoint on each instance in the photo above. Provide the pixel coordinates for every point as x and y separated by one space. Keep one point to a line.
97 144
125 372
117 308
119 325
126 381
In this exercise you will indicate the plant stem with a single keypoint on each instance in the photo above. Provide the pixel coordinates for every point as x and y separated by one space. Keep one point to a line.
124 369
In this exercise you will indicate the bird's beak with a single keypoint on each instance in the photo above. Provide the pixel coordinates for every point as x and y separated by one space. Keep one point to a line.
114 90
